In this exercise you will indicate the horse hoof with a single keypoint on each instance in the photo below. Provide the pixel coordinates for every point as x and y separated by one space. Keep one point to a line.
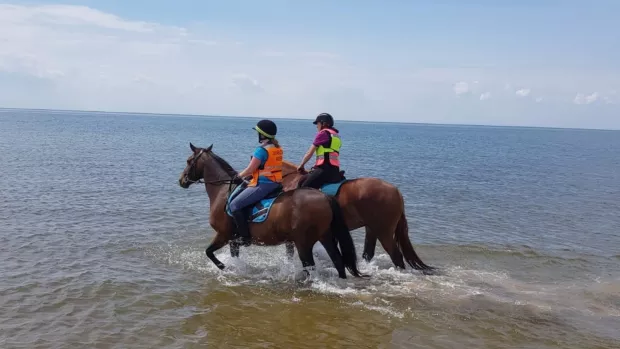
367 258
301 277
221 266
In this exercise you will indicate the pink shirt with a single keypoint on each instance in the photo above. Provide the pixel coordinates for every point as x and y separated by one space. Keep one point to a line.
322 138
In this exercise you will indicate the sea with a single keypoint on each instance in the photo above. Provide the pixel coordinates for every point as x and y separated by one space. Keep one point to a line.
101 248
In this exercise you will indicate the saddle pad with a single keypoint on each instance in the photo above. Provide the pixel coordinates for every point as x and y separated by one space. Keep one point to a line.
332 189
261 210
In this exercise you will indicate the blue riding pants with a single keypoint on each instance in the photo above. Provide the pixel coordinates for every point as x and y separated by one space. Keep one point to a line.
252 195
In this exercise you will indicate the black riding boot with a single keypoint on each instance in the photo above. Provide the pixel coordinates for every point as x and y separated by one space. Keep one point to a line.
243 227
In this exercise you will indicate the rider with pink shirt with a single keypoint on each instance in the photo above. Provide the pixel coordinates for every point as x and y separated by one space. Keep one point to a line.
326 148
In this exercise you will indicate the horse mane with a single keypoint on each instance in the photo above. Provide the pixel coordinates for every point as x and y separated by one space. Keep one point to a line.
225 165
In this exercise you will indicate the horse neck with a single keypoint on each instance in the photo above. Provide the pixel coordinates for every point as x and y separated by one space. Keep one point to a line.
215 191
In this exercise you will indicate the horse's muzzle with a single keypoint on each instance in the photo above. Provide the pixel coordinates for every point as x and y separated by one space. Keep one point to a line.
184 182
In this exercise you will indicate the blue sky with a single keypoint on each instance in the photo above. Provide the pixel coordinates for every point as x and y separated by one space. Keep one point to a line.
534 63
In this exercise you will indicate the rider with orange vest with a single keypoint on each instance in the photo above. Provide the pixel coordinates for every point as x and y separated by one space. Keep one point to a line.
266 170
326 149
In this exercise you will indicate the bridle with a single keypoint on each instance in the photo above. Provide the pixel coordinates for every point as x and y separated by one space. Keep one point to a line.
192 164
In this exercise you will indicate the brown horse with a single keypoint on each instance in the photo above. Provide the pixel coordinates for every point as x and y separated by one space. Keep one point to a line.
302 217
376 205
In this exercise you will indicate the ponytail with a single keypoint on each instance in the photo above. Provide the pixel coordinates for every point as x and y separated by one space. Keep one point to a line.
275 142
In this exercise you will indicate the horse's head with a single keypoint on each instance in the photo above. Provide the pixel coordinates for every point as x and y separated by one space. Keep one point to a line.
193 171
206 165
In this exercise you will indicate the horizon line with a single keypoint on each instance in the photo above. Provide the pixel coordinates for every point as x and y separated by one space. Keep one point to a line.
293 118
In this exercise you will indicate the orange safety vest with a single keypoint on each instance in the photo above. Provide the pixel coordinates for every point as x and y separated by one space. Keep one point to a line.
272 169
331 152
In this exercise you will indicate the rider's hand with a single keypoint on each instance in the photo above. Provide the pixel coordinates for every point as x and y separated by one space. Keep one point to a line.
237 179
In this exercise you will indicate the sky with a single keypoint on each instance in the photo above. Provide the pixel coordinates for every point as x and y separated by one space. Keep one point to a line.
526 63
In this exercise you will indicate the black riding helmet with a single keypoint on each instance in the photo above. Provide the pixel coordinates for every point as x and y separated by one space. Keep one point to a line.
266 128
324 118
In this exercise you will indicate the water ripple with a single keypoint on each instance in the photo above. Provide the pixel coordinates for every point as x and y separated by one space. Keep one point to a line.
103 249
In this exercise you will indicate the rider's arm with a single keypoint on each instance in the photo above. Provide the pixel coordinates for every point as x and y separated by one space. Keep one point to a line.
253 166
260 156
308 155
321 138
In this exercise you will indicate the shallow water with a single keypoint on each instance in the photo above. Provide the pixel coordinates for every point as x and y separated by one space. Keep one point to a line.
100 247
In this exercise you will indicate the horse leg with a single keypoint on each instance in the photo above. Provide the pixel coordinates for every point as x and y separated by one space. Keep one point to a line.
305 255
329 243
290 250
218 242
234 249
390 246
370 243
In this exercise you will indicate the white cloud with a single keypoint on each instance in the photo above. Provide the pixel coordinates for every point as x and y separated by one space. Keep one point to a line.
461 88
539 99
581 98
88 59
76 57
246 83
70 16
592 98
524 92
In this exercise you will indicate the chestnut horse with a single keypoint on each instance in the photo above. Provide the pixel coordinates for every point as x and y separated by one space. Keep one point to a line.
302 217
376 205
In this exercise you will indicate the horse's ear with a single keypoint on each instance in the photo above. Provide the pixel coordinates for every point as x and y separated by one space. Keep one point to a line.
209 148
192 147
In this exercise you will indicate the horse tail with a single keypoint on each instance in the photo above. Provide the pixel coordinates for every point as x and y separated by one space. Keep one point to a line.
402 241
341 233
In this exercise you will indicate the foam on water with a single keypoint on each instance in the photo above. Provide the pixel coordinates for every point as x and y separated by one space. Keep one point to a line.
385 290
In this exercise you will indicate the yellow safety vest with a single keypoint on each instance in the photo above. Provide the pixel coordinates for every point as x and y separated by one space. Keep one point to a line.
332 153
